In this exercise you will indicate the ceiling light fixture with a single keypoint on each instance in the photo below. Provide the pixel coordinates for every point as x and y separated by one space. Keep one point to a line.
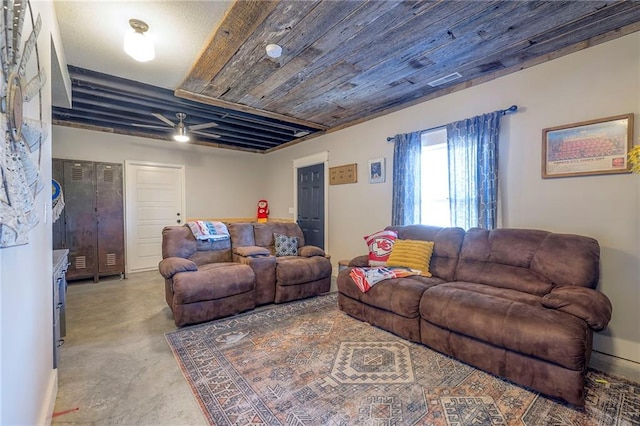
181 134
181 130
273 50
136 44
301 133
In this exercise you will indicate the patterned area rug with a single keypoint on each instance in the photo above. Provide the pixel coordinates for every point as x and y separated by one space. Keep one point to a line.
307 363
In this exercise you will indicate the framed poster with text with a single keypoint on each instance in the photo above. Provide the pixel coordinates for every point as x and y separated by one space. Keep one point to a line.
592 147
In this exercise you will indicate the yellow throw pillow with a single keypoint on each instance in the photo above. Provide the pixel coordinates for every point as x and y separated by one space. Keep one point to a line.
413 254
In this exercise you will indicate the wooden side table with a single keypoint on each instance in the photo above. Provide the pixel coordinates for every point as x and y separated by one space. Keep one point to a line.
342 265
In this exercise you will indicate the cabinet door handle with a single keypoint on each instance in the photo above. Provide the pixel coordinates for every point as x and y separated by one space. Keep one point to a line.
178 221
60 342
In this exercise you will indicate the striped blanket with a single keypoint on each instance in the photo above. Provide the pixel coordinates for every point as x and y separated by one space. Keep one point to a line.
203 230
365 278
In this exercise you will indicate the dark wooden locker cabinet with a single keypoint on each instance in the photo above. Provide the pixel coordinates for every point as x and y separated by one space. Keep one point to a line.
110 211
92 222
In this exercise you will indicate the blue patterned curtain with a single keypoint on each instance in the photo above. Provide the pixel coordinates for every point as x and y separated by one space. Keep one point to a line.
473 171
405 208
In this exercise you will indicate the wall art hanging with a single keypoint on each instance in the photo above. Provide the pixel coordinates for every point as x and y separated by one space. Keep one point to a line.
22 137
594 147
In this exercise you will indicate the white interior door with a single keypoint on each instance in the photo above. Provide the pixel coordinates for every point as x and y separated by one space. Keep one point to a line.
154 199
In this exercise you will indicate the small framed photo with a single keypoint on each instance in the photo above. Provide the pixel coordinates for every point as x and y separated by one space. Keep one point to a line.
376 170
593 147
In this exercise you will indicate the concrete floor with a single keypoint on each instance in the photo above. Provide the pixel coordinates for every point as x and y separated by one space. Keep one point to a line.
116 366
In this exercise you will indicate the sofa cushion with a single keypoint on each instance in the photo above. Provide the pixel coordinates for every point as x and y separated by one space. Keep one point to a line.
398 295
528 260
263 233
380 245
582 265
212 281
285 245
502 258
412 254
292 270
504 293
447 244
506 323
241 234
178 241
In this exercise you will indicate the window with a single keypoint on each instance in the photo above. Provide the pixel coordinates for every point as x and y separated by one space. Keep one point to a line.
435 178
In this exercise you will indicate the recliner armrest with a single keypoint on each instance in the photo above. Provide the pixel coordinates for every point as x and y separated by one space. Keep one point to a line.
360 261
589 305
172 265
310 251
251 251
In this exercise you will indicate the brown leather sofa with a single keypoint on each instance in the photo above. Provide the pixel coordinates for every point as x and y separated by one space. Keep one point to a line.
517 303
286 278
206 280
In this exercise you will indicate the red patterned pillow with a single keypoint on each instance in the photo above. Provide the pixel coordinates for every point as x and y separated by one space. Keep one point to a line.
380 245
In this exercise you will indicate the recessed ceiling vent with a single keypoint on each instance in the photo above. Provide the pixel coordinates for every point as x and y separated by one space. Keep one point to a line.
445 79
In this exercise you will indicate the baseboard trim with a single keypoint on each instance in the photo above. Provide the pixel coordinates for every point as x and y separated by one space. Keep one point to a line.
616 347
615 366
50 399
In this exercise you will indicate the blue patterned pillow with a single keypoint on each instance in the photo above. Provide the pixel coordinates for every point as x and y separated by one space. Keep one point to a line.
286 246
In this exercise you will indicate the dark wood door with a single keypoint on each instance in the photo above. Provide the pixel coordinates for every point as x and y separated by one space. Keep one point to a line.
110 218
81 234
311 204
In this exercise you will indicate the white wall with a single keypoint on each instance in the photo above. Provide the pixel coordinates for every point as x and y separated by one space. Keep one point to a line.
598 82
29 381
219 182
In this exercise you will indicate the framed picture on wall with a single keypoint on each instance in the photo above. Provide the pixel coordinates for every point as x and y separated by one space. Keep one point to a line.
376 170
593 147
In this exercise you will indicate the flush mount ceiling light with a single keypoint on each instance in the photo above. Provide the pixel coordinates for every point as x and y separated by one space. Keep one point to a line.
137 44
273 50
301 133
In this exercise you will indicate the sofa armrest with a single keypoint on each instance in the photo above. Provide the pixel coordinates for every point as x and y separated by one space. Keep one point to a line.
360 261
310 251
251 251
172 265
590 305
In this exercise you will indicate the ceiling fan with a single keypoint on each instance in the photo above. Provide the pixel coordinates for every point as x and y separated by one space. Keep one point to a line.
182 131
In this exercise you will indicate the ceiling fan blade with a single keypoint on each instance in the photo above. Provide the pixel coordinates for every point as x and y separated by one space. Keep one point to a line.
205 134
149 126
203 126
163 118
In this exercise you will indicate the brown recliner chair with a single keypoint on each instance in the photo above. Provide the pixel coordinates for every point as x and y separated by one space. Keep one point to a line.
202 282
280 278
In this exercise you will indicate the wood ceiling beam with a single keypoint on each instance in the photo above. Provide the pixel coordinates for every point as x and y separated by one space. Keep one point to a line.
196 97
240 22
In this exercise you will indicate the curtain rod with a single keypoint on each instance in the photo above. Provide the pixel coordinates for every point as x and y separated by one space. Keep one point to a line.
511 109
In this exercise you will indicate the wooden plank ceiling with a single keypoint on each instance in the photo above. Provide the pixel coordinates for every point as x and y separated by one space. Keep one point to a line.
344 62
